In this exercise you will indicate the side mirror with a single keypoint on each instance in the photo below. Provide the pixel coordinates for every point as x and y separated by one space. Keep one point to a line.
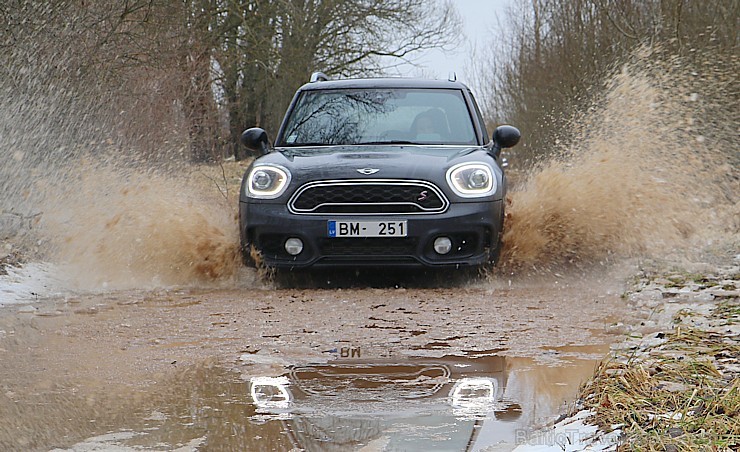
506 137
255 139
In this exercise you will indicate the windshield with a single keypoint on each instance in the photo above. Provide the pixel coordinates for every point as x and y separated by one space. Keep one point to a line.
379 116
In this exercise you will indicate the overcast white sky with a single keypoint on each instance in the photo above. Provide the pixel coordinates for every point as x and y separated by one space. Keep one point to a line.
480 25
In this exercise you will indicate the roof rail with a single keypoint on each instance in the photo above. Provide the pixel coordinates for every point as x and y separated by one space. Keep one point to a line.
319 77
452 77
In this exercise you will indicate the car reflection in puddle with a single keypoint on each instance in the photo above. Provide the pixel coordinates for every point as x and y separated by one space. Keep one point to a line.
419 404
456 403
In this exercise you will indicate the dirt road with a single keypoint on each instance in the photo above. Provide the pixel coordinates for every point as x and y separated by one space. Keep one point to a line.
80 366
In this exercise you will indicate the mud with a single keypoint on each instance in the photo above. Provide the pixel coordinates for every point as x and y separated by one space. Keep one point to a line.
84 366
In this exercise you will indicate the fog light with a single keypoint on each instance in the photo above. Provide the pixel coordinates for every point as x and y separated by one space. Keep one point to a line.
294 246
442 245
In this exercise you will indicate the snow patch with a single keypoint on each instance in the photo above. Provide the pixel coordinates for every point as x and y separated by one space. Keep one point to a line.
30 283
571 435
116 442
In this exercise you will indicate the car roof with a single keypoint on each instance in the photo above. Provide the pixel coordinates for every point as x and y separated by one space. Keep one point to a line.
388 82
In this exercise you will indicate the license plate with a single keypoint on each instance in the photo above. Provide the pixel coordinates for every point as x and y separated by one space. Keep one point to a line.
368 228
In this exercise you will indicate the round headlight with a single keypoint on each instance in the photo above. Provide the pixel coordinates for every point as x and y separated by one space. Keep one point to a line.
472 180
479 179
261 180
266 181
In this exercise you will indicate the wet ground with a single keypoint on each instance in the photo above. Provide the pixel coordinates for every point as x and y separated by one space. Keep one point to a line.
463 367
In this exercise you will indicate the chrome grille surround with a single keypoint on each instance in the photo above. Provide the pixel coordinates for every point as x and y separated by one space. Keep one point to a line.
344 205
372 381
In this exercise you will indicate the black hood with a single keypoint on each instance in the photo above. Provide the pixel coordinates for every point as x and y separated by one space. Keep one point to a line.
391 162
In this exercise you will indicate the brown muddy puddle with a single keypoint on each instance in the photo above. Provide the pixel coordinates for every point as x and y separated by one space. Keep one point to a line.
368 369
456 403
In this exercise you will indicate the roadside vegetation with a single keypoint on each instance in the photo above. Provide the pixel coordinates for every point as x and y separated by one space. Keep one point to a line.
548 60
675 385
205 69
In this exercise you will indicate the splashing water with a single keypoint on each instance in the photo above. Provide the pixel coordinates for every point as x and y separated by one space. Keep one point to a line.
640 178
142 230
107 227
78 190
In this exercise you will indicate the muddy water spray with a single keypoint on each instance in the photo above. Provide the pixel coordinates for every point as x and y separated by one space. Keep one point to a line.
73 192
141 230
112 227
641 178
638 180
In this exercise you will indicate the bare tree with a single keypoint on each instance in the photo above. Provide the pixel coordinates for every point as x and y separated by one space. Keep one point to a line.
199 71
547 66
271 47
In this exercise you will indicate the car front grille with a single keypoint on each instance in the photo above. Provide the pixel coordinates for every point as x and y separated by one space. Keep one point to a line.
368 197
371 381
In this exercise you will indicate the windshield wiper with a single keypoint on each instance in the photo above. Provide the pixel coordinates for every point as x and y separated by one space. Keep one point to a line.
310 144
387 142
299 145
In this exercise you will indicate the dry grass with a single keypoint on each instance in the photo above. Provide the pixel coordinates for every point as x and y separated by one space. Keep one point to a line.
677 395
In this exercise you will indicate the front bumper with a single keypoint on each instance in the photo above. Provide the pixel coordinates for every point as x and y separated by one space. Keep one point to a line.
473 227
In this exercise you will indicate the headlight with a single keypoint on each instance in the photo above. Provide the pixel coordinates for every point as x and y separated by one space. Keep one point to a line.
267 181
270 392
474 397
472 180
